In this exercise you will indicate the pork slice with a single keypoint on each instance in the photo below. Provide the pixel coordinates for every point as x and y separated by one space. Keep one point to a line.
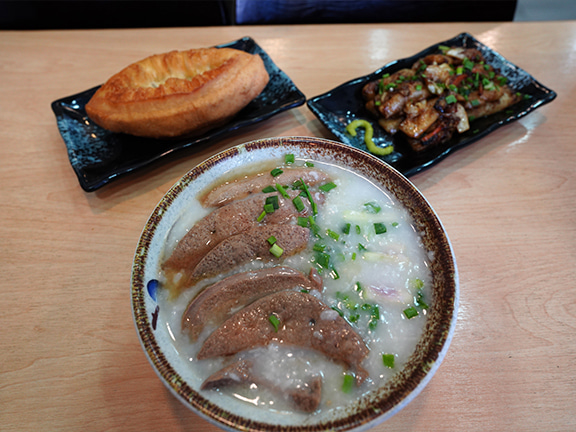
305 398
219 301
251 245
246 186
303 320
224 222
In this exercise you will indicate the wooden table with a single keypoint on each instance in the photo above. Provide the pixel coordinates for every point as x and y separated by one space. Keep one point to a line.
70 358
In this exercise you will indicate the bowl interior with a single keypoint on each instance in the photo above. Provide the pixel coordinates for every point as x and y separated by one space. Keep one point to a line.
375 407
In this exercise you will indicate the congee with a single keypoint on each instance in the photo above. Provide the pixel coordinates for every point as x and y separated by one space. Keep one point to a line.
294 288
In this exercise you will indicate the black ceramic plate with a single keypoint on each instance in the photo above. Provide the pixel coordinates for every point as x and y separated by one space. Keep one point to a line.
99 156
338 107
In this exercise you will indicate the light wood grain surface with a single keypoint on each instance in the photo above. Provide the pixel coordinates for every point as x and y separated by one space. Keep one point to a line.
70 359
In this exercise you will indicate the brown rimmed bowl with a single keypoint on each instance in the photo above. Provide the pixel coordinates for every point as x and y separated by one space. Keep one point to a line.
366 412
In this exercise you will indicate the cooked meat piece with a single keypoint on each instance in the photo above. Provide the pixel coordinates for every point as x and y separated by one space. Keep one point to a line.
507 99
306 398
250 245
456 76
226 221
219 301
426 115
241 188
303 320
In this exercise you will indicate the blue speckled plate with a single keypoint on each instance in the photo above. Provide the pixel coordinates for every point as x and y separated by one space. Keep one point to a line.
99 156
338 107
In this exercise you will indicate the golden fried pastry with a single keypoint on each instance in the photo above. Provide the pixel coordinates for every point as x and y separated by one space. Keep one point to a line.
179 92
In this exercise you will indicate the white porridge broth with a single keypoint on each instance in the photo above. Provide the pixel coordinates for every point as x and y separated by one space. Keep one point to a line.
375 274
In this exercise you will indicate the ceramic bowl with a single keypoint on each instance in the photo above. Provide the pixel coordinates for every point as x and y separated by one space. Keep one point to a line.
378 405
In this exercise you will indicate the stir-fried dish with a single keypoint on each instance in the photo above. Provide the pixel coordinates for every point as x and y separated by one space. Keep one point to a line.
440 95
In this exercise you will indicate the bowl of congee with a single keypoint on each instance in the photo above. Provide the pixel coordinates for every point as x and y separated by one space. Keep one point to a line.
297 284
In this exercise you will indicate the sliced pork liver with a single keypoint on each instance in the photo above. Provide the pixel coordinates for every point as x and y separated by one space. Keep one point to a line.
219 301
241 188
303 321
224 222
305 398
249 245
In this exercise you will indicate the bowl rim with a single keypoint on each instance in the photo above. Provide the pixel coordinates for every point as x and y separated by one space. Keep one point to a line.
419 374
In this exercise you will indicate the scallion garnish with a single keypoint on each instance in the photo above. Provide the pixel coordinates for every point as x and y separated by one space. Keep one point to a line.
289 158
303 222
268 189
276 172
410 312
332 234
260 218
348 383
276 250
372 207
271 240
450 99
388 360
274 321
298 204
346 228
327 187
273 200
282 191
379 228
268 208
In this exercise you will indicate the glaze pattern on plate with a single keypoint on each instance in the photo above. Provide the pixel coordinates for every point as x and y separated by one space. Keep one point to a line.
339 106
99 156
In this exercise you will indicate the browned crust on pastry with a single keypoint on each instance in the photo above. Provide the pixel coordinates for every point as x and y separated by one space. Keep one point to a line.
179 92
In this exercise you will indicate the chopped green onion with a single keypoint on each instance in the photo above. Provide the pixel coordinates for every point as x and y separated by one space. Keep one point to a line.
269 208
417 283
275 322
379 228
353 256
372 207
276 172
443 48
289 159
418 87
298 204
358 231
323 259
332 234
395 224
276 250
348 383
358 286
459 70
451 99
346 229
303 222
282 191
327 187
475 102
319 247
388 360
468 64
309 164
273 200
310 198
261 216
410 312
271 240
361 247
269 189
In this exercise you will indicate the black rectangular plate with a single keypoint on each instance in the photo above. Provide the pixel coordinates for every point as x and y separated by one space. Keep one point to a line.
339 106
99 156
